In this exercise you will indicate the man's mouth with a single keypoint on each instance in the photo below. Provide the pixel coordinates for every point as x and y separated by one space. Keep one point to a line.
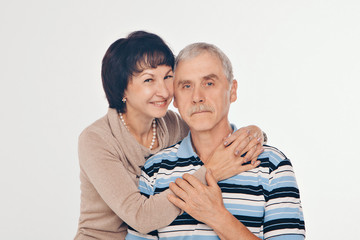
200 109
199 112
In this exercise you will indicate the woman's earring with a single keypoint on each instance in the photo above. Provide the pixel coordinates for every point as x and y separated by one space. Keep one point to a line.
124 100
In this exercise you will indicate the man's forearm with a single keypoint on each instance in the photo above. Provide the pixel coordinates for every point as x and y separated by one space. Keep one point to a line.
228 227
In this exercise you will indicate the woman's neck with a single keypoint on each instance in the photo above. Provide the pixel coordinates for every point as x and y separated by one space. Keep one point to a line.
140 127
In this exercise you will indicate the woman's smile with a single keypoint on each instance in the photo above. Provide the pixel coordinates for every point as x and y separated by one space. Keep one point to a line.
163 103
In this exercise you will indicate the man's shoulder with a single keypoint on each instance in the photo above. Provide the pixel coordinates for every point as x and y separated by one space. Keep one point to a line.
157 171
166 154
273 156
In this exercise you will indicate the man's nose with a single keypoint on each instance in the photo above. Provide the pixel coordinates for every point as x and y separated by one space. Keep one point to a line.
198 95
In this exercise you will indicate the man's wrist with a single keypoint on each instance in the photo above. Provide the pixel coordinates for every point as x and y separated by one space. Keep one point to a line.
221 217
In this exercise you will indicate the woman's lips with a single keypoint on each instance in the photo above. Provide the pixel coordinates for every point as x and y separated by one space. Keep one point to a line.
159 103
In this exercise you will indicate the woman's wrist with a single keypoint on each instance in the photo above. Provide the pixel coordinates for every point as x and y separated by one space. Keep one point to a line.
214 170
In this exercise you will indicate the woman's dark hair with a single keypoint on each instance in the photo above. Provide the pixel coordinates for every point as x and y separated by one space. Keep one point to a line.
128 56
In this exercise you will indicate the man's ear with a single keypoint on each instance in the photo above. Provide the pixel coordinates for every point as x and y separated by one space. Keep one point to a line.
233 91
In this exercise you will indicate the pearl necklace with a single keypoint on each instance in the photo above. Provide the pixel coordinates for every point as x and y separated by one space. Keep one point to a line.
153 130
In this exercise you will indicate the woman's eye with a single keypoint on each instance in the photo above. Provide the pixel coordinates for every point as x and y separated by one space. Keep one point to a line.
148 80
168 76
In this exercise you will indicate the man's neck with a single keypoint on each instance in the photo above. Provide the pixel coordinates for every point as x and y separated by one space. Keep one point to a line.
205 142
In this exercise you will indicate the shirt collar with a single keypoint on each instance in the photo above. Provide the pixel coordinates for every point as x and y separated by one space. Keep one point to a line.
186 149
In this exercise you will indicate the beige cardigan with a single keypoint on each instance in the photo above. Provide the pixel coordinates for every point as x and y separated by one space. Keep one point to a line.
110 165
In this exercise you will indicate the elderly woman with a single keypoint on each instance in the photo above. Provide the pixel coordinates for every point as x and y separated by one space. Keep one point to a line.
137 75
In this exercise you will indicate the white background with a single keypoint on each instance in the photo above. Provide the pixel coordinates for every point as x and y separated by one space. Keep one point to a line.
298 67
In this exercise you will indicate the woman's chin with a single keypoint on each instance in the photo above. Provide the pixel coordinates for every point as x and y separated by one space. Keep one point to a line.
160 114
159 111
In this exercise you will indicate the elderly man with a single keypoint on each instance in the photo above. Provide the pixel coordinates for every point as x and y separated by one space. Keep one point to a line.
260 203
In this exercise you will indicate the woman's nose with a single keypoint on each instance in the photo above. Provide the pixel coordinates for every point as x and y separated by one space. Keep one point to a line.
162 89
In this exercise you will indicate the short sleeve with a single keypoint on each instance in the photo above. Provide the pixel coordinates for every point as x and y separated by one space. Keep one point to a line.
283 217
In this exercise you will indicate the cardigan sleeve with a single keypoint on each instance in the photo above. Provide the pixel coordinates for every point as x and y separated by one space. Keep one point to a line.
118 188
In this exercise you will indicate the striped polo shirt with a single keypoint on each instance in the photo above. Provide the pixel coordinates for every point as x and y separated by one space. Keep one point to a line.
265 199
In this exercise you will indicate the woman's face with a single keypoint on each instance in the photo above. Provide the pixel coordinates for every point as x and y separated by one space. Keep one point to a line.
150 92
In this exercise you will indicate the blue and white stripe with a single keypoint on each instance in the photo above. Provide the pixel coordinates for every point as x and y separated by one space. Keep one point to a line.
266 199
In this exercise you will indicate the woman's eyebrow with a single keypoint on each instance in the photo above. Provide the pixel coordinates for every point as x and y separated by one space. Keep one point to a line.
145 73
169 72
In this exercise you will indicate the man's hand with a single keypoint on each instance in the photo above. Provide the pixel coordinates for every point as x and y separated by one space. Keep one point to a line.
202 202
205 204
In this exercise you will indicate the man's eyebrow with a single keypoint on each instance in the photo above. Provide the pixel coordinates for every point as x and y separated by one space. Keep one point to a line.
182 82
211 76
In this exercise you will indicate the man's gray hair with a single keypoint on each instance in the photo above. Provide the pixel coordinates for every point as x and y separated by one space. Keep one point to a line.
195 49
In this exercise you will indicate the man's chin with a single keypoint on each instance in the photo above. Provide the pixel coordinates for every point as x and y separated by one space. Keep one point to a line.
200 126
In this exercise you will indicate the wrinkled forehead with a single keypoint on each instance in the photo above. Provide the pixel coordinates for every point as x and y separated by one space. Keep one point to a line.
204 65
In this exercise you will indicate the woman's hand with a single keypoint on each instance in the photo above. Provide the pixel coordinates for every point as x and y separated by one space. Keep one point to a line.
227 159
252 139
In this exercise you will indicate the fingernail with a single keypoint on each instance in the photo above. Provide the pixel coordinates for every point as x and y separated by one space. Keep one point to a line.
248 131
225 143
259 139
237 152
246 159
262 150
257 163
227 136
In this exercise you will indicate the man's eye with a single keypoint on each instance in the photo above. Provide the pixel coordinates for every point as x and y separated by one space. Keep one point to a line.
186 86
209 84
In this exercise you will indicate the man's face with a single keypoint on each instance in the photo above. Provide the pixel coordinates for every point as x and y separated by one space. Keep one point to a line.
202 92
